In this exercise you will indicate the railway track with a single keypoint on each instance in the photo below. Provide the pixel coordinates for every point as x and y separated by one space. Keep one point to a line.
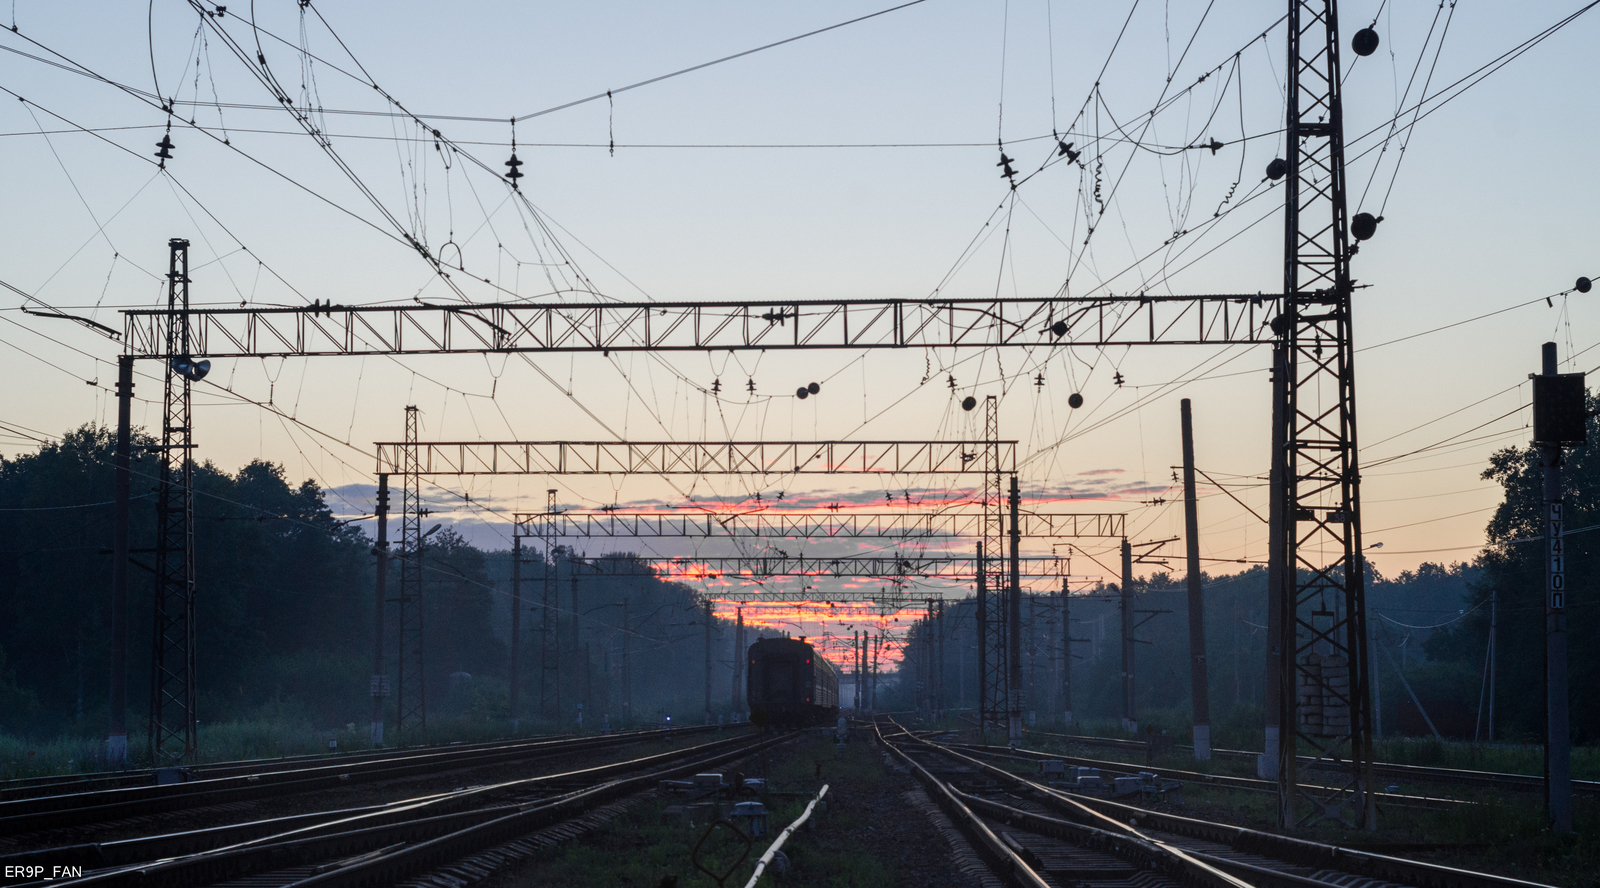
465 830
61 784
1386 771
240 783
1196 778
1033 835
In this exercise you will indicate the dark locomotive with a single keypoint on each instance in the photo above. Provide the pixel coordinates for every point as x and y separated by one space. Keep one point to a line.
790 684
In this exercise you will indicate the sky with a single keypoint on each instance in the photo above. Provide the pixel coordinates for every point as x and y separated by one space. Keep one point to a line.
855 163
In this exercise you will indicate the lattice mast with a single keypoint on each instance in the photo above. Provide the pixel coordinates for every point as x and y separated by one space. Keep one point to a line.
172 681
994 703
1325 708
412 701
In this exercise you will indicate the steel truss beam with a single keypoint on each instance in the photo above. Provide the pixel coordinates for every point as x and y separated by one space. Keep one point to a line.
693 457
429 329
776 524
861 567
1325 707
172 678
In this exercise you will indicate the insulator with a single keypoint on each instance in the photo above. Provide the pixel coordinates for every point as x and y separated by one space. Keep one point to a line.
166 147
1365 42
1277 169
1584 285
1075 400
1364 225
813 388
968 402
514 173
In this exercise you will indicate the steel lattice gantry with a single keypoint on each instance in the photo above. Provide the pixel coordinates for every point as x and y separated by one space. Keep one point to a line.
429 329
865 567
1324 702
781 524
695 457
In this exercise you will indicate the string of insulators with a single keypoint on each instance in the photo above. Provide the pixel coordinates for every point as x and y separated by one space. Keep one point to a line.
514 174
166 147
1007 172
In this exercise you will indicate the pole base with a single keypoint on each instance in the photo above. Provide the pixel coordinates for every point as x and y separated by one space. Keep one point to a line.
1202 743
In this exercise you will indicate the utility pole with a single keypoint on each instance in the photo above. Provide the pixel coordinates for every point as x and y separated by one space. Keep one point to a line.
516 628
172 678
577 630
939 656
738 663
549 629
1273 703
1066 658
982 568
1493 656
1130 721
1559 418
1198 690
117 739
708 660
1014 624
380 555
412 698
627 669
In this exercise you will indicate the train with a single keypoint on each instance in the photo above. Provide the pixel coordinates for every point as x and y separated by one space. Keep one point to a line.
790 685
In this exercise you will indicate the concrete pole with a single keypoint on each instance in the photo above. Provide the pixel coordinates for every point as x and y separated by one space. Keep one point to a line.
1014 624
738 662
1130 721
983 638
516 628
1066 659
627 670
1277 575
708 660
1558 742
380 555
1494 654
1198 690
117 729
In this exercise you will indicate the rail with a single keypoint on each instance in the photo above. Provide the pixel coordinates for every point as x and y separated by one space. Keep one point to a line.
777 844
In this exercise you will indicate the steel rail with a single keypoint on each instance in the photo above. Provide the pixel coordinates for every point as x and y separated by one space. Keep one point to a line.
33 814
1132 848
1293 851
408 824
24 787
1421 773
1221 781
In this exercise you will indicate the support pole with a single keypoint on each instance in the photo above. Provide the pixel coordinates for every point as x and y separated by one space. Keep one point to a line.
738 663
580 666
117 733
1066 658
516 631
1198 690
708 660
982 569
1558 741
627 669
1277 578
1130 720
1014 623
380 559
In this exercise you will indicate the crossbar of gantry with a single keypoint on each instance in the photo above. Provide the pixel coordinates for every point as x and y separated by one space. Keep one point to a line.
862 567
427 329
779 524
694 457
